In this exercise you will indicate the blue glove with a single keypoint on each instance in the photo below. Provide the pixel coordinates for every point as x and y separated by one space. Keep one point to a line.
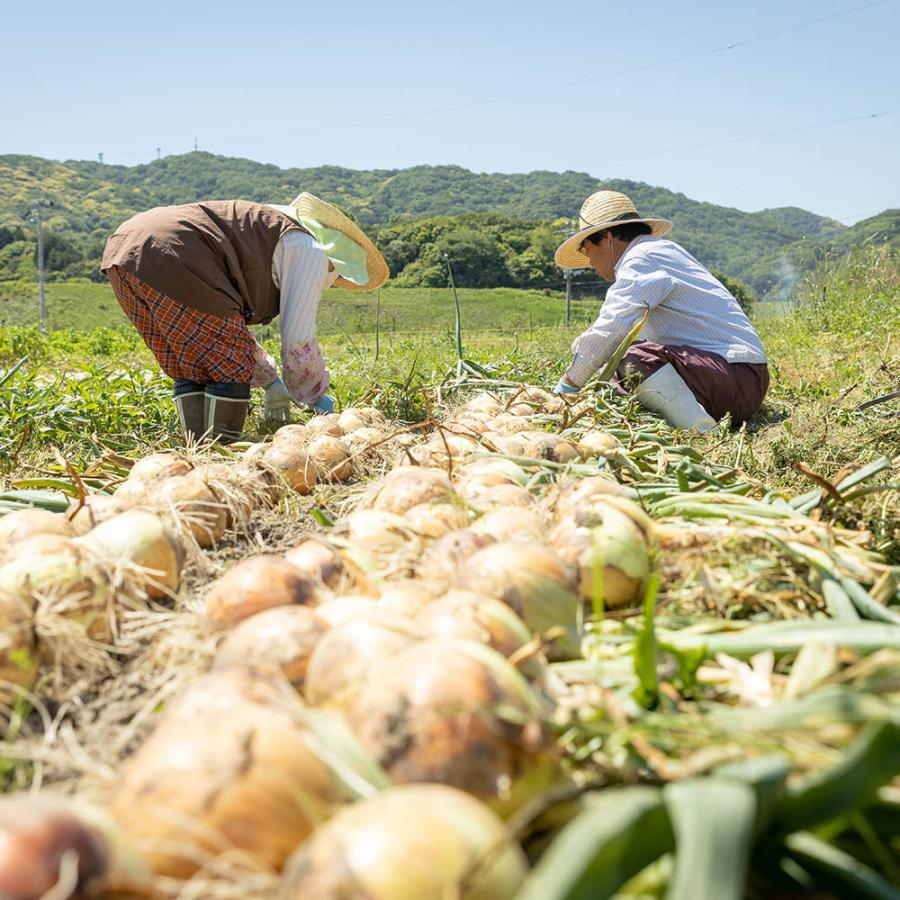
324 405
564 387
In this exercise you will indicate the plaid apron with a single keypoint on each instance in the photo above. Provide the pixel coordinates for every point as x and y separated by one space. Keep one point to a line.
187 344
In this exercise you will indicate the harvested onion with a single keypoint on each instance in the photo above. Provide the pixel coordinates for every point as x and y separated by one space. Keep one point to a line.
195 507
25 523
293 464
457 713
413 842
409 486
319 561
18 646
282 638
535 582
253 585
331 457
141 539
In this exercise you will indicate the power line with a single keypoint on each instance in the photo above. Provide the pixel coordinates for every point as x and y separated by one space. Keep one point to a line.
749 137
565 86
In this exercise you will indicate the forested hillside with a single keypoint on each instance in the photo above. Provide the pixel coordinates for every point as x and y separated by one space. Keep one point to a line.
499 229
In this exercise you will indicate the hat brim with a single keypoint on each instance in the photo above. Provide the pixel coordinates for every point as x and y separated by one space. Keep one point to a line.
569 256
308 205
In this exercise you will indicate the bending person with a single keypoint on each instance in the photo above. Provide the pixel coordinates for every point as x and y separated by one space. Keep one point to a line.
700 359
191 279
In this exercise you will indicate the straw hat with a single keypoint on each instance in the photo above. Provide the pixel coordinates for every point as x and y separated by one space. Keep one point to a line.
602 210
311 207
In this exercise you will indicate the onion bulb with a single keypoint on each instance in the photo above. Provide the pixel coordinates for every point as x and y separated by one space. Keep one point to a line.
157 466
227 767
282 639
509 424
65 579
511 444
500 495
510 524
346 608
403 488
345 656
543 445
318 561
474 617
332 458
378 531
597 443
484 402
432 520
440 562
293 434
611 554
253 585
140 538
362 440
293 464
406 596
358 417
412 842
456 713
535 582
47 843
327 424
194 506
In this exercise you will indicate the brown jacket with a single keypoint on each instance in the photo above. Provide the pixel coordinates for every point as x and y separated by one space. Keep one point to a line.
214 256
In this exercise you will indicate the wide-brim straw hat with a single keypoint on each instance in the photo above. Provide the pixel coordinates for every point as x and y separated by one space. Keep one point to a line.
311 207
603 210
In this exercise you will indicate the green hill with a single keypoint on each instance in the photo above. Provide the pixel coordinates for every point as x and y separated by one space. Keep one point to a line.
503 226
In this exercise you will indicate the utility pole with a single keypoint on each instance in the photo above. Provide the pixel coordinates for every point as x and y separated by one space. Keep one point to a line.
36 212
100 158
158 151
195 145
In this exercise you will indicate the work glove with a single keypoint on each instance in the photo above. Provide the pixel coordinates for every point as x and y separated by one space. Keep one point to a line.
277 403
324 405
563 387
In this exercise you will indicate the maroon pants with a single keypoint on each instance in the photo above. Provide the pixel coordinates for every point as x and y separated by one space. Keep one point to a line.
720 386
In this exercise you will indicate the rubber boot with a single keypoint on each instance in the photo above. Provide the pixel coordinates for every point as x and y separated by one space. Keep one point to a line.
224 412
191 408
665 392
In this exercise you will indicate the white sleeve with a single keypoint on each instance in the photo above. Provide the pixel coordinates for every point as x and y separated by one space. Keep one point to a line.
638 288
299 270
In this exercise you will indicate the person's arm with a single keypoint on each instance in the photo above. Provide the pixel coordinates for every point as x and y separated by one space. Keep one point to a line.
302 269
639 286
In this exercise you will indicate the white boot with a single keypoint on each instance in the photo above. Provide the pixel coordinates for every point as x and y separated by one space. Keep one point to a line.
665 392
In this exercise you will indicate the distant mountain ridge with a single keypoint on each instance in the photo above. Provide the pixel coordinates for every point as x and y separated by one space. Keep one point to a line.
90 199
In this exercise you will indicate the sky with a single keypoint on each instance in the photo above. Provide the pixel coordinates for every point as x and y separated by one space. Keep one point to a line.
750 105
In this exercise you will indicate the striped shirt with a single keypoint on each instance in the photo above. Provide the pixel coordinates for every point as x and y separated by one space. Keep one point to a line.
300 271
687 307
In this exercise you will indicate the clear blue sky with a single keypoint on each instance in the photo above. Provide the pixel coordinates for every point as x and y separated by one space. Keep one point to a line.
617 89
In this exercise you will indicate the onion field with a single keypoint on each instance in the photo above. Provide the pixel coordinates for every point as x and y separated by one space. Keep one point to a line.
463 637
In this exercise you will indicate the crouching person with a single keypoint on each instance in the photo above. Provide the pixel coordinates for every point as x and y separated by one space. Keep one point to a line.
700 359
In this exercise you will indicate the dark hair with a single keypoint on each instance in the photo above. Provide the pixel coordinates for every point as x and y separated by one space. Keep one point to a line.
627 232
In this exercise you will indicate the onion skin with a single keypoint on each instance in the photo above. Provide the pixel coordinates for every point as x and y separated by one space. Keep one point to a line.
535 582
281 639
503 524
484 402
142 539
414 842
597 443
575 495
224 768
431 714
355 418
293 434
449 553
433 520
406 596
253 585
346 655
347 608
328 424
361 441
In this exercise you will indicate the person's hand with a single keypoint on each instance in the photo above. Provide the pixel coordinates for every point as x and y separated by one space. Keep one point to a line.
563 387
323 405
277 403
